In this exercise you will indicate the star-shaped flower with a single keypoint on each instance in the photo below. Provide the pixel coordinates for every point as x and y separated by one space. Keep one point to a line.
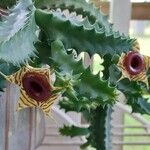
134 65
36 89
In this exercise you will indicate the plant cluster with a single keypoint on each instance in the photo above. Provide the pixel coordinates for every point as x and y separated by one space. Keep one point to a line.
40 33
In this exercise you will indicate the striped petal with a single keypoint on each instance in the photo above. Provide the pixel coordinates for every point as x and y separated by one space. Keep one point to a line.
26 100
141 75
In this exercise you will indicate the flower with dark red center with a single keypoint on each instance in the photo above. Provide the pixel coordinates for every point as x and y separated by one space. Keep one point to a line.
36 88
134 65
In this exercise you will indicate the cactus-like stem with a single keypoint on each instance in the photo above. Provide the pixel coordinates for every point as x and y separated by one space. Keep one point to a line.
81 7
73 32
97 128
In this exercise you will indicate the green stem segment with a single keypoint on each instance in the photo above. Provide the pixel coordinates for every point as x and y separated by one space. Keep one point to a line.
97 128
81 7
73 32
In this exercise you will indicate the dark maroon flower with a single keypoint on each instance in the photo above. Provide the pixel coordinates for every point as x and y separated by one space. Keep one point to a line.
134 63
37 86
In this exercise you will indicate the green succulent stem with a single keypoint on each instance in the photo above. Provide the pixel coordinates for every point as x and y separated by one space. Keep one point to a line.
73 32
81 7
97 128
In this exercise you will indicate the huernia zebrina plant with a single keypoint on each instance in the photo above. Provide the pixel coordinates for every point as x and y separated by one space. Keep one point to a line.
38 34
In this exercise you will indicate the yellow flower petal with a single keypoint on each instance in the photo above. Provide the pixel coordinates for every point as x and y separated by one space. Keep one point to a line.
142 76
25 100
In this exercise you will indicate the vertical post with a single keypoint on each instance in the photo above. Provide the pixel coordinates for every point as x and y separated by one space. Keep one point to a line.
21 130
120 14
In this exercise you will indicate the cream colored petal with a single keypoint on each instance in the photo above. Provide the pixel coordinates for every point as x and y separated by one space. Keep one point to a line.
25 101
136 46
47 105
44 71
16 78
140 77
147 62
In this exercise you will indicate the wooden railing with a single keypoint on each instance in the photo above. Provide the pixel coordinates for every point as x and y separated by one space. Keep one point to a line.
140 11
145 124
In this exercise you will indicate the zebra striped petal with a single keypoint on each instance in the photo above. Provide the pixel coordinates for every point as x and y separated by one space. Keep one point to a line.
141 76
25 99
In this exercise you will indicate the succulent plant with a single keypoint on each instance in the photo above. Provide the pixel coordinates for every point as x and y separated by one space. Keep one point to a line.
41 33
